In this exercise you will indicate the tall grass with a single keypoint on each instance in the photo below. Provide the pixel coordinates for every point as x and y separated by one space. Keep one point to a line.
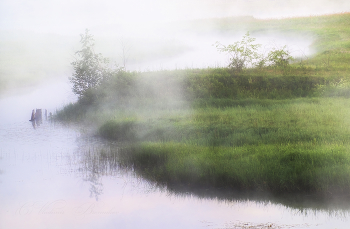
287 146
278 129
322 120
278 168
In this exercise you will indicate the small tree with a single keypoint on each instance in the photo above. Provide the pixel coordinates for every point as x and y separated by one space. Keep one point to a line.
242 53
279 57
89 68
125 46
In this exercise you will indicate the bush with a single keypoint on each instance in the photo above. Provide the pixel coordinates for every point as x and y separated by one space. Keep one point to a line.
121 131
242 53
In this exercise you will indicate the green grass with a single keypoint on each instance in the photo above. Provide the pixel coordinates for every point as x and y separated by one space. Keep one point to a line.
282 146
278 168
322 120
329 32
203 135
272 129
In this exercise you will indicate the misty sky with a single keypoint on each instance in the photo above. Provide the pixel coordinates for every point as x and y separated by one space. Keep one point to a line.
70 16
132 21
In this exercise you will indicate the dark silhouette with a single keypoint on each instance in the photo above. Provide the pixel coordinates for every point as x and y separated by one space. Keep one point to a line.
36 117
33 116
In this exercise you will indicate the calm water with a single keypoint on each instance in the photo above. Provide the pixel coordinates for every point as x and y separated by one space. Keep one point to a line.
53 176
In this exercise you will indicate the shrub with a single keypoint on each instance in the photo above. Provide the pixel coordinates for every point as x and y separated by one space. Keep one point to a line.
242 53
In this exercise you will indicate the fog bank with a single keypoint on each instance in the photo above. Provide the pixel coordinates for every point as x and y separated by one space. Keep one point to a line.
71 16
38 39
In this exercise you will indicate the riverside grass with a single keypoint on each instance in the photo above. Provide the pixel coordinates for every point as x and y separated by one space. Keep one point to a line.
268 129
322 120
277 168
298 145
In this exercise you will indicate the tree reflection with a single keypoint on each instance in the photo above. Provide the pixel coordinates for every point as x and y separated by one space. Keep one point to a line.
102 161
96 186
108 160
93 170
96 163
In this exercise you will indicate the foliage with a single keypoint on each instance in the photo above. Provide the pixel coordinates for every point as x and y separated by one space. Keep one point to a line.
119 130
222 83
242 53
279 57
73 112
244 129
90 69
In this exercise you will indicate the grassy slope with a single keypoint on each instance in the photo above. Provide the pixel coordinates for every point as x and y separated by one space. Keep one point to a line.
232 135
330 34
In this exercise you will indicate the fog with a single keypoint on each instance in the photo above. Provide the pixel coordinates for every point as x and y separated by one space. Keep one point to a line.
38 38
63 16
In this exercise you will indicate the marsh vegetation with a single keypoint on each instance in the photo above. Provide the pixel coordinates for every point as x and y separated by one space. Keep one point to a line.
272 123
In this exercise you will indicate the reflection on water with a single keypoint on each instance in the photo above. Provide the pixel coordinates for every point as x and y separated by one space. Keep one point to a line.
103 161
55 177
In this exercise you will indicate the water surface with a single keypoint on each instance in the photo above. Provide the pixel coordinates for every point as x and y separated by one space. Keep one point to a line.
54 176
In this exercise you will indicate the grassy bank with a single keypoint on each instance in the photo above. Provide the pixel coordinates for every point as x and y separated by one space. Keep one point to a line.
276 129
277 168
288 146
294 145
322 120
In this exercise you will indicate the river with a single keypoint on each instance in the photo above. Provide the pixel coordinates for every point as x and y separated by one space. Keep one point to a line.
53 176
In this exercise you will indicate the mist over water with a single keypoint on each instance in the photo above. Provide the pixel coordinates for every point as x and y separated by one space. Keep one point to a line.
38 39
51 95
56 176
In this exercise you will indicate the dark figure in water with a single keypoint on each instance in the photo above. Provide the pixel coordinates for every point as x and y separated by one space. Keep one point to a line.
33 116
38 117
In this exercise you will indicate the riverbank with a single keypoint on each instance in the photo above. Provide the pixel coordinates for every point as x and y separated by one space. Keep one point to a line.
276 168
298 146
278 129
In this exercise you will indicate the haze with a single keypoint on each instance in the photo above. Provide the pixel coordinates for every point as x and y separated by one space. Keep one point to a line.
38 38
63 16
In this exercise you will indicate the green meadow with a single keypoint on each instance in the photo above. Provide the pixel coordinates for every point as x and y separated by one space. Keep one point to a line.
278 129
